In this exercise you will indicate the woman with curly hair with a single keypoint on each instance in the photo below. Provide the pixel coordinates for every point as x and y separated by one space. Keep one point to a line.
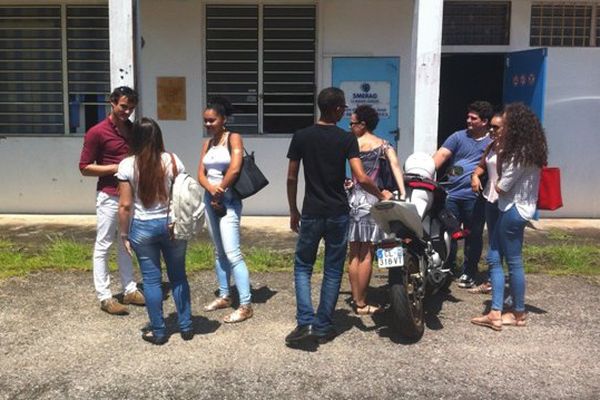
524 152
220 165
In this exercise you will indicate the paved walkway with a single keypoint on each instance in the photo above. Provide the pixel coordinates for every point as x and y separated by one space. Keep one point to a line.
277 223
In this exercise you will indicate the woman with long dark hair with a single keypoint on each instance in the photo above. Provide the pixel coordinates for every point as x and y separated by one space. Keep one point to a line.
524 152
145 181
220 164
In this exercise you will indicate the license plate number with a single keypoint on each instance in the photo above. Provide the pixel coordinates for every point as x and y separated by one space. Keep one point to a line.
390 257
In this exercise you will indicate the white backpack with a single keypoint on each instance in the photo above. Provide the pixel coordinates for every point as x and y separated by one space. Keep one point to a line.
187 205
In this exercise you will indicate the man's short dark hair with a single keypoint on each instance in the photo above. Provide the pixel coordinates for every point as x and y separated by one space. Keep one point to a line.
330 98
482 108
126 91
367 114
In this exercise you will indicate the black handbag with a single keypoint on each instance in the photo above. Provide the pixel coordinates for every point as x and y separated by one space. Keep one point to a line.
385 177
251 179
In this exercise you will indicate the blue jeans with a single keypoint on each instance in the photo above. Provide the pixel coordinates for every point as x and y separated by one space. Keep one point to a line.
334 231
507 242
149 239
225 233
491 217
470 212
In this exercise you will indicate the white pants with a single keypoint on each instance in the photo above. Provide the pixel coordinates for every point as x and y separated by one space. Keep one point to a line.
107 213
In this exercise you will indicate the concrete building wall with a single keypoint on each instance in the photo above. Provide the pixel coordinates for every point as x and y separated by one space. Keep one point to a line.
345 28
571 116
572 123
40 174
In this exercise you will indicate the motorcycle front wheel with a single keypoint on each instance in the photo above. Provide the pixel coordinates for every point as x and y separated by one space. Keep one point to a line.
406 304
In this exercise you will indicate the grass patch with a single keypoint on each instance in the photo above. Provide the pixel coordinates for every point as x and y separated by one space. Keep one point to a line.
562 259
200 257
13 261
68 254
559 235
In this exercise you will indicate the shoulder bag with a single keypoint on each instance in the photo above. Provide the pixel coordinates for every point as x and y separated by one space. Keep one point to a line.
385 177
250 180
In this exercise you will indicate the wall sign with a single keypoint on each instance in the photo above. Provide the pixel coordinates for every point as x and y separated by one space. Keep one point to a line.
170 98
373 93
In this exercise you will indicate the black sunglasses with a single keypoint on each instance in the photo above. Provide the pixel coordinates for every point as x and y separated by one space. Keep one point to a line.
352 123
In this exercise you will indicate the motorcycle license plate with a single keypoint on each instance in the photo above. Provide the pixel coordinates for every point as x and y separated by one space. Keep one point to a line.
390 257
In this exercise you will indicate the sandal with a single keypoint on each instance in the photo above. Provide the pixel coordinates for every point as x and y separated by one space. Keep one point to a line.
485 320
484 288
239 315
367 309
218 303
513 318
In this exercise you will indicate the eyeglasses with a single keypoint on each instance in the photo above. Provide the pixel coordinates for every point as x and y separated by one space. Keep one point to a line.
352 123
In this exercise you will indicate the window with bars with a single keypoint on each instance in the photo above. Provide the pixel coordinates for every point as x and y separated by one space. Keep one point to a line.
476 23
49 85
263 59
564 24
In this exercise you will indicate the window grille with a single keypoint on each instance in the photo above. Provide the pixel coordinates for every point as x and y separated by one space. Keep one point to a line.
476 23
88 65
232 62
31 92
263 59
561 24
41 58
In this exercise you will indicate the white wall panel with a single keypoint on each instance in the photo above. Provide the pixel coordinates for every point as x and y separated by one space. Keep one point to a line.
572 123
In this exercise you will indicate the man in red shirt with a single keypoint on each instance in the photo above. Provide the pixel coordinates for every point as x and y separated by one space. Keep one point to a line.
104 146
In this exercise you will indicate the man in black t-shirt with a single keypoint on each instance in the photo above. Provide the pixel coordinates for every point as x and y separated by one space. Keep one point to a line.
323 149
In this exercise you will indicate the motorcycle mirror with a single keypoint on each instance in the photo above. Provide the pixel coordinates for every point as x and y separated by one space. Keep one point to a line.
455 170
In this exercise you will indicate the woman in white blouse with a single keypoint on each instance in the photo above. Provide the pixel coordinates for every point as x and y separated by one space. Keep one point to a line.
524 152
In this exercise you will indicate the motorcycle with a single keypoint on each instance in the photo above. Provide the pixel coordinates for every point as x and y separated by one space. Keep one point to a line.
416 243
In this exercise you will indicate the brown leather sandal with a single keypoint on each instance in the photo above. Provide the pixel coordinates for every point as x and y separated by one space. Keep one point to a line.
513 318
218 303
485 320
241 314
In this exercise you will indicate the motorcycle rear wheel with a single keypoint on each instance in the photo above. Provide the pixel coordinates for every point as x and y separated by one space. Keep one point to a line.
406 305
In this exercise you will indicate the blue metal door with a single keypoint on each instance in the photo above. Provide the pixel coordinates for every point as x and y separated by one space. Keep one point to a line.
525 79
373 81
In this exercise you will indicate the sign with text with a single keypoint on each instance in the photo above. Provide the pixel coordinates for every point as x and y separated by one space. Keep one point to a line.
376 94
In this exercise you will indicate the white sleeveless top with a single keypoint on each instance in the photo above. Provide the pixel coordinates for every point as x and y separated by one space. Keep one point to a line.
216 162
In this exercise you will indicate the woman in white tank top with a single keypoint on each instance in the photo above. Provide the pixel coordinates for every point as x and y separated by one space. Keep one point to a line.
220 164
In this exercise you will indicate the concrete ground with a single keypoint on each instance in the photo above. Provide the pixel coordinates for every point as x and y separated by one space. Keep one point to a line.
56 343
